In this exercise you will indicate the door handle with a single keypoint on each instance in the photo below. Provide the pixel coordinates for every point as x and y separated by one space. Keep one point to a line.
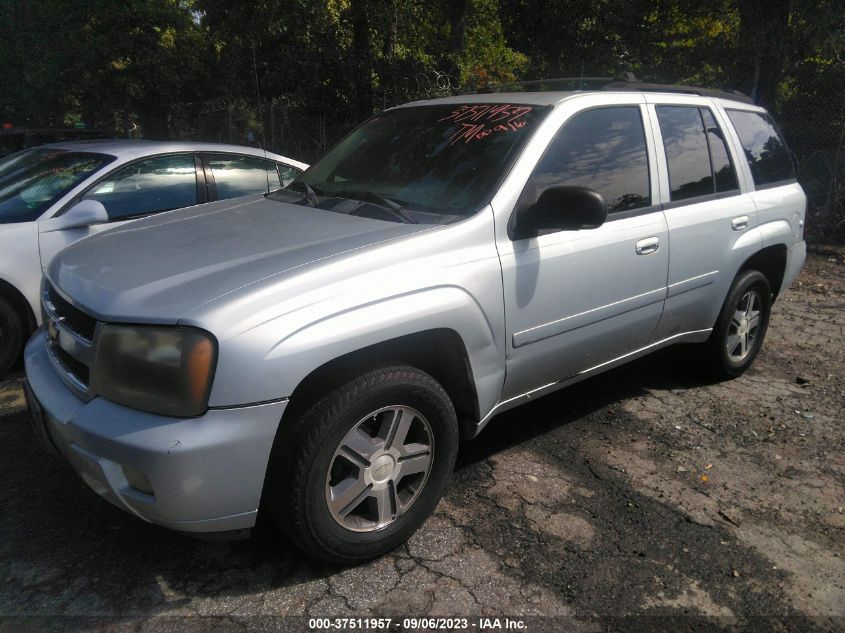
740 223
648 246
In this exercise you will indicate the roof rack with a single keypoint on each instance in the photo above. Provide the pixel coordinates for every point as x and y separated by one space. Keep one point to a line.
627 82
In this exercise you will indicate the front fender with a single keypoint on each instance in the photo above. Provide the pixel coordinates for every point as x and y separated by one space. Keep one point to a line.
287 360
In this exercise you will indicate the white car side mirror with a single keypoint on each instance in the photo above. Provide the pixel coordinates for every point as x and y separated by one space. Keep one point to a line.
83 213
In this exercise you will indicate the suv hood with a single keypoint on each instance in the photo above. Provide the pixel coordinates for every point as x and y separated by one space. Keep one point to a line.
156 269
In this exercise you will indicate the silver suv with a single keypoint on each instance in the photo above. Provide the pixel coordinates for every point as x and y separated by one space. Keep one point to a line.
318 351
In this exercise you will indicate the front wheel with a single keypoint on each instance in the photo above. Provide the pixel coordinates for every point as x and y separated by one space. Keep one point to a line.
360 470
738 336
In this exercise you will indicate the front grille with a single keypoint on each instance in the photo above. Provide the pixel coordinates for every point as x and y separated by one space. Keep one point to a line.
73 318
72 366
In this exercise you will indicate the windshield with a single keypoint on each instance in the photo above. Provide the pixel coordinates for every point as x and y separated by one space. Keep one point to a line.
14 161
435 159
32 180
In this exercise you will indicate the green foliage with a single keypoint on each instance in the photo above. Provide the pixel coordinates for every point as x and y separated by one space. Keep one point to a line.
71 59
185 67
678 41
301 73
486 57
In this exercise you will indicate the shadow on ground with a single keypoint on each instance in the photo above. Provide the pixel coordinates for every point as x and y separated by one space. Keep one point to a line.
643 491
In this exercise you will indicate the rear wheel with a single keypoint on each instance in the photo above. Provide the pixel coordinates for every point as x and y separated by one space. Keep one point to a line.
360 470
738 336
11 335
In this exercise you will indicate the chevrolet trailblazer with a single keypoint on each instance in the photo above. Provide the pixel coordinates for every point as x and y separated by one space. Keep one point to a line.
319 350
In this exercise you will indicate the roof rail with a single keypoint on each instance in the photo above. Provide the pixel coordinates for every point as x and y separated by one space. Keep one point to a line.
628 82
580 82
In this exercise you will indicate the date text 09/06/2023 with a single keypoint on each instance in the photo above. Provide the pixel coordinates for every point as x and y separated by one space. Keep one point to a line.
414 624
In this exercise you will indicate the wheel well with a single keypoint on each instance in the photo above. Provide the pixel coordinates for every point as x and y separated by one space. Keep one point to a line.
19 303
440 353
771 261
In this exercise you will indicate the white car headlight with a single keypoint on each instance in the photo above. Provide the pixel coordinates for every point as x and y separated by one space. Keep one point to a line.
160 369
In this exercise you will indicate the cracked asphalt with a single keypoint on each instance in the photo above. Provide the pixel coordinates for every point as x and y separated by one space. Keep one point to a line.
643 492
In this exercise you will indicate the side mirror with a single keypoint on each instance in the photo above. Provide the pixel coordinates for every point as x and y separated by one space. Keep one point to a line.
83 213
560 208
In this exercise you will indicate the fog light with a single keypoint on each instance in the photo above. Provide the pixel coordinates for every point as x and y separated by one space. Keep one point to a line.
137 480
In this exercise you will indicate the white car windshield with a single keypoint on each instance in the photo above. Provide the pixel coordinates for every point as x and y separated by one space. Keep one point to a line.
32 180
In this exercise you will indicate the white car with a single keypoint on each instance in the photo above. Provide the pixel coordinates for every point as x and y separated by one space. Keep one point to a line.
55 194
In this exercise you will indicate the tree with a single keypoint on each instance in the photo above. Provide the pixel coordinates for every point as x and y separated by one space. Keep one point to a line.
39 43
70 59
763 30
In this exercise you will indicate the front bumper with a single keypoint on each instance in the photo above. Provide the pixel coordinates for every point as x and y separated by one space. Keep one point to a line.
206 473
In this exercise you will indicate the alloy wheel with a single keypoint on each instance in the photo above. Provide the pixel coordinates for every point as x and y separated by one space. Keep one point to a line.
379 468
744 326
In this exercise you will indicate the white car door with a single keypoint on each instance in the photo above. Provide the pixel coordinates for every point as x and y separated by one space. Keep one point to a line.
32 183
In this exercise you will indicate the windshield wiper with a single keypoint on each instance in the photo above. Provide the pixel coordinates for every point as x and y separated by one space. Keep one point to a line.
392 206
310 195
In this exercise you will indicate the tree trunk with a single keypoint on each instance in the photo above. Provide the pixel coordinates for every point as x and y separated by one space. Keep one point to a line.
458 22
391 33
458 11
763 32
361 60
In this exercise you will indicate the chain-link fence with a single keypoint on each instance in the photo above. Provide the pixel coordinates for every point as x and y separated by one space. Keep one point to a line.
297 130
292 130
812 117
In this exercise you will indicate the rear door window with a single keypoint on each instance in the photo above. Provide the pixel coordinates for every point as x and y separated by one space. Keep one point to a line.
687 156
764 147
148 186
602 149
237 176
723 170
696 154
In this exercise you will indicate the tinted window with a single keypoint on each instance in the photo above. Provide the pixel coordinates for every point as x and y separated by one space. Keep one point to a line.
435 159
33 180
765 150
723 170
686 152
148 186
12 162
602 149
287 174
242 175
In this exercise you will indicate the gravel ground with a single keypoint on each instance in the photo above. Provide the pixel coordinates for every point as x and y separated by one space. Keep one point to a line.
643 492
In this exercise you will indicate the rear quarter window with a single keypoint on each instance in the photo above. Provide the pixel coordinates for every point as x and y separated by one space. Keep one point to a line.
763 146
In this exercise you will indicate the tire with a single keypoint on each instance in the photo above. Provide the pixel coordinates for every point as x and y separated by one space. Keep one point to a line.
11 335
736 340
360 470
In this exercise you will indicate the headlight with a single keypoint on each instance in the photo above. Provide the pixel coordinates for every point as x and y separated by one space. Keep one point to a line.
166 370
